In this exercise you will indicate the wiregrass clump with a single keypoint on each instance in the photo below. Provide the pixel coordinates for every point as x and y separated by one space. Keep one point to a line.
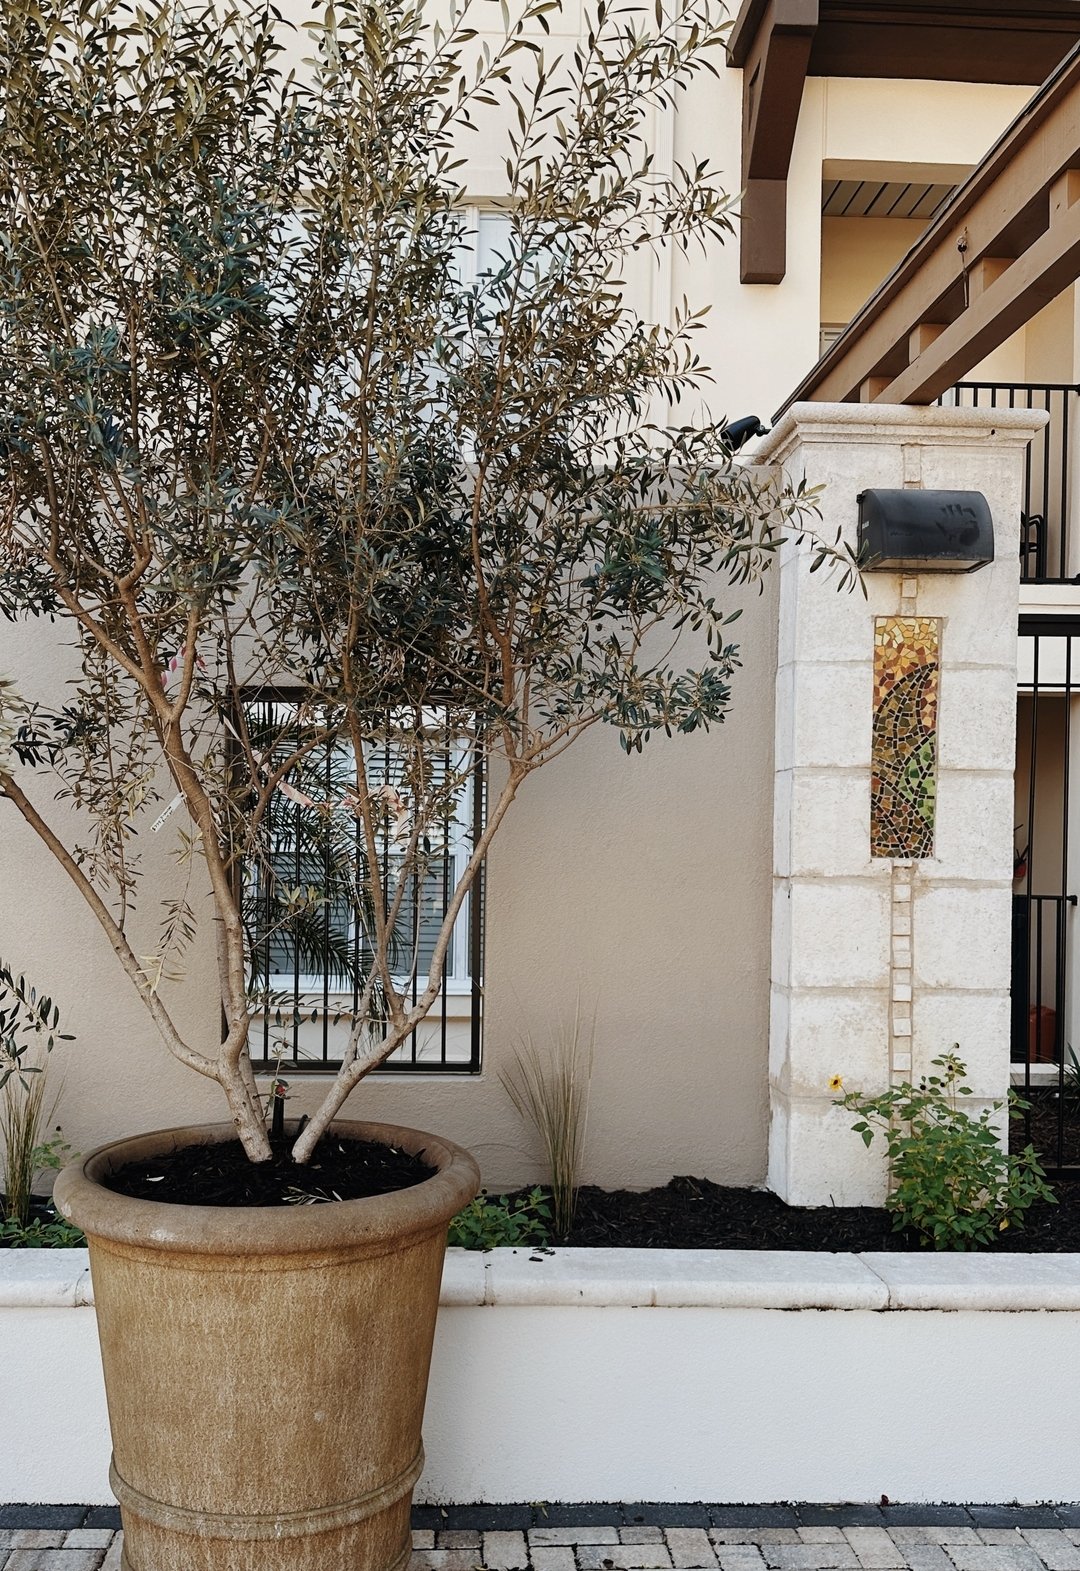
550 1091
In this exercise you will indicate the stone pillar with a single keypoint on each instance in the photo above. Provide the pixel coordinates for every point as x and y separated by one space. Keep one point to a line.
880 963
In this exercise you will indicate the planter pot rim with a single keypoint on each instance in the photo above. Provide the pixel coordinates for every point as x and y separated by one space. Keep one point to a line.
368 1224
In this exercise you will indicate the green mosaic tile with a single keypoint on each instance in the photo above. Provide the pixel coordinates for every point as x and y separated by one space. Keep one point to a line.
903 779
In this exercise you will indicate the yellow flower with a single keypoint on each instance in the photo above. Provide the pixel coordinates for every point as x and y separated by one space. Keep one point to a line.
836 1083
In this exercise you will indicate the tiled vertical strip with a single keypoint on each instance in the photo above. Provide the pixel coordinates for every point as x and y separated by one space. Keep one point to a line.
901 954
900 966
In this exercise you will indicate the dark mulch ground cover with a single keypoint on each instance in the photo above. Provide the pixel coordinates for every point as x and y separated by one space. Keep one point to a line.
221 1175
1056 1135
692 1213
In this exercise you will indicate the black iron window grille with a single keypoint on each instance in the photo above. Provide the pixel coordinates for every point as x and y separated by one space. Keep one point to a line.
308 900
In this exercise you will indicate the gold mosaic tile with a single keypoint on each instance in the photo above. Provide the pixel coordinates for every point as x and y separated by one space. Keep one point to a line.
904 758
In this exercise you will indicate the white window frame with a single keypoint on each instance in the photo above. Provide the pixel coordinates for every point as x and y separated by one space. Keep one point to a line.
310 987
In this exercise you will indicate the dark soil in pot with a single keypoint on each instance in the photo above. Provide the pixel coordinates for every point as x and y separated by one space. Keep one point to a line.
692 1213
222 1175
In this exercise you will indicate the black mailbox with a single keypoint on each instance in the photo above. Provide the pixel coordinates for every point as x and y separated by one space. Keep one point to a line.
925 531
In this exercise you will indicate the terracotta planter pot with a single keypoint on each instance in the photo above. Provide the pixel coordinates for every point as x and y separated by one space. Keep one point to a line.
266 1367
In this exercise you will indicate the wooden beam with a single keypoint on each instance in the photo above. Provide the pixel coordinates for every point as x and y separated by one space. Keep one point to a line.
921 337
1020 42
1001 249
1031 282
773 79
763 232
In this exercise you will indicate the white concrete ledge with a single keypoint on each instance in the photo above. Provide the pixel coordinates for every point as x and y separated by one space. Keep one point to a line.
45 1279
668 1279
683 1279
974 1281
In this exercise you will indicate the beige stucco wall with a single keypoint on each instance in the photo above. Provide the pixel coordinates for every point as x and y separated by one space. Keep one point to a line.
857 254
638 885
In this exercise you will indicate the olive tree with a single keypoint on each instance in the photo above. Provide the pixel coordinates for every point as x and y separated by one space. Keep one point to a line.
263 433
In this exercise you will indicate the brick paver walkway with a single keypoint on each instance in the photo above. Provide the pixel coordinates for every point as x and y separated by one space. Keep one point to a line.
766 1538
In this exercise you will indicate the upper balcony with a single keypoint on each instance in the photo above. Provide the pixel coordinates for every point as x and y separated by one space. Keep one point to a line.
779 43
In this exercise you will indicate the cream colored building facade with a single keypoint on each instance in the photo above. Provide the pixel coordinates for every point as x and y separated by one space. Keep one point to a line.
641 887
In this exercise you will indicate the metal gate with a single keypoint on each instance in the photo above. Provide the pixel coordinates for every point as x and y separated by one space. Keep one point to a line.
1045 1031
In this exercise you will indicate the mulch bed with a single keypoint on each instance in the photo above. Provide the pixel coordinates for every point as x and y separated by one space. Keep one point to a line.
221 1175
692 1213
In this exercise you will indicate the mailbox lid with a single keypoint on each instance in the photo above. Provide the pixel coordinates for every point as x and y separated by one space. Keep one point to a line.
911 526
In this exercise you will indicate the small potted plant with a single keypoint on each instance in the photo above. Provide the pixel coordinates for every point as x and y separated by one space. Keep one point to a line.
304 495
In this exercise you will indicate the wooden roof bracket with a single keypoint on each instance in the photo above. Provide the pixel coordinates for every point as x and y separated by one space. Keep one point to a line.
773 48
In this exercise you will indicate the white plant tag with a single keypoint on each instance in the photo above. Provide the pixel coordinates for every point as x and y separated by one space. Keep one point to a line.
167 812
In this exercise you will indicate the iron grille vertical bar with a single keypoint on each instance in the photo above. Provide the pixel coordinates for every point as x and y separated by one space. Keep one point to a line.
265 873
448 743
1060 991
476 912
1063 500
330 891
295 816
1032 783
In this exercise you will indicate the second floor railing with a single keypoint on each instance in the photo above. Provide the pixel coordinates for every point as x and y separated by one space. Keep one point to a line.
1049 526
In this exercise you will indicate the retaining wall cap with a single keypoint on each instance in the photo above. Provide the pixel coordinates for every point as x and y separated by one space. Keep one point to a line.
44 1279
973 1281
464 1279
668 1279
683 1278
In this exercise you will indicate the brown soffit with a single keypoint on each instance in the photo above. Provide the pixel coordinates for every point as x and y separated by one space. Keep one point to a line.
1005 245
778 43
1016 42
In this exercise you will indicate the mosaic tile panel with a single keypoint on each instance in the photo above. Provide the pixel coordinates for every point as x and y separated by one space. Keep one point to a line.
903 774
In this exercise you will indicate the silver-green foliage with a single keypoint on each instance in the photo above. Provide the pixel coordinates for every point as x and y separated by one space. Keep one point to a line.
950 1180
256 426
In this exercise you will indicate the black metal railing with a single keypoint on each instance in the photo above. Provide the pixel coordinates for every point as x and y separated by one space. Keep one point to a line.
1043 1022
1047 525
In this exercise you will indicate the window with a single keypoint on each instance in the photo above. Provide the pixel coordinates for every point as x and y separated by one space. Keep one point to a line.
306 912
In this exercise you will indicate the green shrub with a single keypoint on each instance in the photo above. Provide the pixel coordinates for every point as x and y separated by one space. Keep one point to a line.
950 1180
40 1232
503 1221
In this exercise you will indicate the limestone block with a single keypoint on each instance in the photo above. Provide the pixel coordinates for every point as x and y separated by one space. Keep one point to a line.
784 746
979 611
829 825
828 623
781 935
830 717
974 831
976 716
779 1022
976 1024
840 933
783 781
963 937
844 1034
816 1160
